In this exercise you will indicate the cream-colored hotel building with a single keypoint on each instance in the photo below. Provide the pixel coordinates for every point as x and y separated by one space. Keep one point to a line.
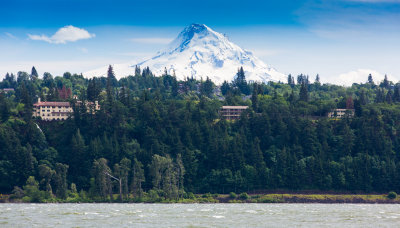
56 110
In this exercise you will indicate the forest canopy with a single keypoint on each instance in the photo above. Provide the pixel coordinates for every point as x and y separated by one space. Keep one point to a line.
160 134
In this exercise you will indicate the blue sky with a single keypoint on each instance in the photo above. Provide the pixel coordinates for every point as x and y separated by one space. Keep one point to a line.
341 40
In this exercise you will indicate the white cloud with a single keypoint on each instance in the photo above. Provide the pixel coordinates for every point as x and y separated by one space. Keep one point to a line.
10 35
152 40
63 35
361 76
55 67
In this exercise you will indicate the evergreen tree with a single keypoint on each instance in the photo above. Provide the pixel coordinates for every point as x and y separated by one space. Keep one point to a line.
102 179
303 92
385 84
125 167
138 178
26 99
363 98
78 159
290 80
380 95
225 88
180 172
396 94
61 180
240 82
370 79
389 97
254 97
206 88
34 74
302 79
110 87
137 71
67 75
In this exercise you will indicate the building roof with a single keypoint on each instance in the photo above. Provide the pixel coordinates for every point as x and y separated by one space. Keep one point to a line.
52 103
235 107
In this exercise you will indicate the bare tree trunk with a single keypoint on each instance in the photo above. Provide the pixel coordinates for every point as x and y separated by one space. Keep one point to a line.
120 190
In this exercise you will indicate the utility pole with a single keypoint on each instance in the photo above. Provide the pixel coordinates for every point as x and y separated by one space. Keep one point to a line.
120 184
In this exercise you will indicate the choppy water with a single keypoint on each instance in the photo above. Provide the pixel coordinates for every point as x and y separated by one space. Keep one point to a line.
199 215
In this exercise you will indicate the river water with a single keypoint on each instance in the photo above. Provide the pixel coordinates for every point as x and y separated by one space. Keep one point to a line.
199 215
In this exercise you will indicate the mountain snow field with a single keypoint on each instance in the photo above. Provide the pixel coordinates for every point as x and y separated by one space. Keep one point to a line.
200 52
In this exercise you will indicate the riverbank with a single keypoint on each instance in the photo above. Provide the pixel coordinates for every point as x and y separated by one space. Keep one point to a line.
318 198
230 198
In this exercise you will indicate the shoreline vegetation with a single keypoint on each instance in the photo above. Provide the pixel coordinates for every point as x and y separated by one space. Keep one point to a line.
153 197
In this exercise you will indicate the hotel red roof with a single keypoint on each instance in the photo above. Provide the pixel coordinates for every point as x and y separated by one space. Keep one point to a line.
52 103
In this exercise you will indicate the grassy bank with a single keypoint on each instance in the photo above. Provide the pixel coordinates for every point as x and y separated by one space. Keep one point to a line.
229 198
320 198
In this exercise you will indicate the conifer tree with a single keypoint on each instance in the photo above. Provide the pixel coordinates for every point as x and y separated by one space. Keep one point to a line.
206 88
240 82
110 87
180 171
34 74
396 94
363 98
370 79
303 92
389 99
137 178
78 159
289 79
385 84
225 88
124 168
61 180
26 99
254 97
102 179
137 70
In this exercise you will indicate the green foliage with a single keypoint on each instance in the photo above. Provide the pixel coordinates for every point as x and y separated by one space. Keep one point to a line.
244 196
166 135
392 195
232 195
32 192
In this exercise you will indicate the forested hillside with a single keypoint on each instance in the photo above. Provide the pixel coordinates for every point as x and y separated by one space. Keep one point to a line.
164 136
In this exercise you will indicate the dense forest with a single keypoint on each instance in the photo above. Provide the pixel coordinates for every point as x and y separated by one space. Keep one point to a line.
159 135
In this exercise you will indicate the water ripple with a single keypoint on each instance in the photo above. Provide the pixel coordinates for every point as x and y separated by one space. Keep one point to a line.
199 215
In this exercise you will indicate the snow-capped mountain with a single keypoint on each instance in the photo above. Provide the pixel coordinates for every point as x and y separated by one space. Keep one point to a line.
198 52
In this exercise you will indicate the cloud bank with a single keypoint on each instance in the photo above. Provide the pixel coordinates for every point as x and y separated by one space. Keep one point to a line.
63 35
361 76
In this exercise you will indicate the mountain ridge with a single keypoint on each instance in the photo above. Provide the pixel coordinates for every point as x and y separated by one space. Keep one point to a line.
200 52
